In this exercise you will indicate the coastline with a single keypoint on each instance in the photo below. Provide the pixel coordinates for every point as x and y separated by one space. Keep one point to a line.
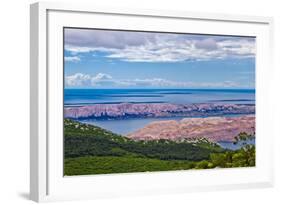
144 110
214 129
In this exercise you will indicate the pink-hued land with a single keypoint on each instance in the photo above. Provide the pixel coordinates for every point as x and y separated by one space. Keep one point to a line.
129 110
213 128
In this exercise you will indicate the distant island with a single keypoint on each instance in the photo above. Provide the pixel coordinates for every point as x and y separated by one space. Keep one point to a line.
142 110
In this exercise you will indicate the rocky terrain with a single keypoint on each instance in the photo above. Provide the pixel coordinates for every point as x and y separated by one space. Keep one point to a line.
131 110
213 128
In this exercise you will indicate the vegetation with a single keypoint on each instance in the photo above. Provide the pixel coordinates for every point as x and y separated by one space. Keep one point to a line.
106 165
90 149
243 137
88 140
244 157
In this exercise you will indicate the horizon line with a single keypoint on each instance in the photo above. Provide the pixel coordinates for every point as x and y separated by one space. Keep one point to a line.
158 88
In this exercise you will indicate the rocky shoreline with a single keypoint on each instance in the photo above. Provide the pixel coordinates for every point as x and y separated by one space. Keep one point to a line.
212 128
144 110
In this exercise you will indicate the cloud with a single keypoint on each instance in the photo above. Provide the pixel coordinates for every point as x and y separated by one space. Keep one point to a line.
102 80
99 80
78 80
72 59
102 76
158 47
106 38
187 50
206 44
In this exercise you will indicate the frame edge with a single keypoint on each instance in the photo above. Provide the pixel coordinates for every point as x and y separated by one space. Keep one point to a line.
38 103
34 25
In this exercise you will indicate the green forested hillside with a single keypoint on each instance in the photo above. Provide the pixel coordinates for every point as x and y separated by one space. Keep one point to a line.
90 149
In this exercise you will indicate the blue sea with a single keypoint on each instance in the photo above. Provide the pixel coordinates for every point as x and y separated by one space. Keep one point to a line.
232 146
80 97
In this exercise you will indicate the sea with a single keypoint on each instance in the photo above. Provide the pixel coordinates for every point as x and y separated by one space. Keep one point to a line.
79 97
82 97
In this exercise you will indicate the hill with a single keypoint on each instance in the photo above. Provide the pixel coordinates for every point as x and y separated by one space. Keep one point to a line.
88 140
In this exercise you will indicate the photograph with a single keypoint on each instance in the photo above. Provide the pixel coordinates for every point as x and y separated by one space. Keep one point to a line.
148 101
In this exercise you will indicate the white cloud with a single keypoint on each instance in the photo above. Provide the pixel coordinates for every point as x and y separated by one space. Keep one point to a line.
72 59
158 47
177 51
78 80
102 76
107 81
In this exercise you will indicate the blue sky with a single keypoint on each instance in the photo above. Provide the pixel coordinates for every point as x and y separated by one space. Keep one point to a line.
122 59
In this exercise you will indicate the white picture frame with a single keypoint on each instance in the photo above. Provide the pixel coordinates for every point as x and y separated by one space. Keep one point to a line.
46 179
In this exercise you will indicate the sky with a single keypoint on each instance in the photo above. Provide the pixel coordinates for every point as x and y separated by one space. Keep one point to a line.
128 59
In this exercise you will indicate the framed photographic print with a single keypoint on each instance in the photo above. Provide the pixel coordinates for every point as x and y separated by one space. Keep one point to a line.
127 102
